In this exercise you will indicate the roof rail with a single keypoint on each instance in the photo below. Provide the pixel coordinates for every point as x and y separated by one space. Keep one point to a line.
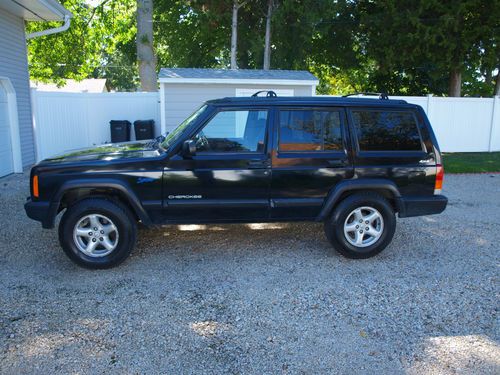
269 94
381 95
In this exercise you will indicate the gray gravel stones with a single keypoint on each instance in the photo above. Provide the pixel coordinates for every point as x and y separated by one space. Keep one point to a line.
260 298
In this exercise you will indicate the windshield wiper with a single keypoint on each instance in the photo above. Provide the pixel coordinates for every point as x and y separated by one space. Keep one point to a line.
156 140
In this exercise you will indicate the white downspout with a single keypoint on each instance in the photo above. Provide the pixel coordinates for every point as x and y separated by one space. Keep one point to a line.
67 22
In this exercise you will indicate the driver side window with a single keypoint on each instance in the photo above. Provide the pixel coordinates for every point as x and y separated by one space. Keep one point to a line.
234 131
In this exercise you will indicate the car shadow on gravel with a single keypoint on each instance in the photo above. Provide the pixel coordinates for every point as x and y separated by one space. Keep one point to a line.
238 238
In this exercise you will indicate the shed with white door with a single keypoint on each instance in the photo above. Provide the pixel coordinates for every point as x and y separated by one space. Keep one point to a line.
183 90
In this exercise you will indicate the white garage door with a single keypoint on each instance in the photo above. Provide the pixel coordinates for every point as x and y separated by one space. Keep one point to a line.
6 161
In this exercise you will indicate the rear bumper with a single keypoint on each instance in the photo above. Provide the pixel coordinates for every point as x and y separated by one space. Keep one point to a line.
420 206
39 211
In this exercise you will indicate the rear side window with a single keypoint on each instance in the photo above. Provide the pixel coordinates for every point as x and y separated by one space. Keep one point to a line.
386 131
309 130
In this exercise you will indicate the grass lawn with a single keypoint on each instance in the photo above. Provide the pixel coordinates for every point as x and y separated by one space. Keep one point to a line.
471 162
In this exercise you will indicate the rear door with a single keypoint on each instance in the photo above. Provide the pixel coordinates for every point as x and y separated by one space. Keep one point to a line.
228 178
310 156
390 143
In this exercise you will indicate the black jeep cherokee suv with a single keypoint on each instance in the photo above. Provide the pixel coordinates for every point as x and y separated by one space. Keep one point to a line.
352 163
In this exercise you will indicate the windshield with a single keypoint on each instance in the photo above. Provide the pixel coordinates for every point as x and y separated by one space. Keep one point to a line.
177 132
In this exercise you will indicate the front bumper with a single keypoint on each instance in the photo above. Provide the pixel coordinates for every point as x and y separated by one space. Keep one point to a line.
419 206
39 211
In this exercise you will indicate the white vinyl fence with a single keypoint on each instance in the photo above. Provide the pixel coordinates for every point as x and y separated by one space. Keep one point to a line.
462 124
65 121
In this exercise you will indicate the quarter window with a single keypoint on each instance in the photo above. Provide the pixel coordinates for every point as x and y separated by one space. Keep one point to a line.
310 130
233 131
386 131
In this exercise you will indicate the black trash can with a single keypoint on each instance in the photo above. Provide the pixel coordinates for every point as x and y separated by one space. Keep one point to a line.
144 129
120 130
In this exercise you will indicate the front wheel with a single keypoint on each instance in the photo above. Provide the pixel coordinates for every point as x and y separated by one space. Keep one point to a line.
361 226
97 233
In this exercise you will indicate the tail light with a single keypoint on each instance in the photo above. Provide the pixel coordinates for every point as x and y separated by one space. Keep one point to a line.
438 186
35 186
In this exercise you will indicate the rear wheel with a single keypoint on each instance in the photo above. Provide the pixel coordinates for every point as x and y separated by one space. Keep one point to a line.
361 226
97 233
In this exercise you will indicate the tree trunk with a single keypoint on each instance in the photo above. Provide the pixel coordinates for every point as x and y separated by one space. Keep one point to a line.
455 82
488 77
234 35
145 54
267 46
497 84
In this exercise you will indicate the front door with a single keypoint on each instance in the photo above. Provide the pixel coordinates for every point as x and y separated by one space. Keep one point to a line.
229 176
310 156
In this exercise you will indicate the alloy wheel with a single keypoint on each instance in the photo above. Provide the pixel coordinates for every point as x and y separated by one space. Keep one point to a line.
363 226
95 235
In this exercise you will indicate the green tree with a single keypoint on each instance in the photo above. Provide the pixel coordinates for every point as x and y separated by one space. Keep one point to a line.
192 33
95 45
400 46
428 45
119 69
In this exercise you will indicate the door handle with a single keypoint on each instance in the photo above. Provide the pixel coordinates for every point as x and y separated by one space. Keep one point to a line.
337 162
258 163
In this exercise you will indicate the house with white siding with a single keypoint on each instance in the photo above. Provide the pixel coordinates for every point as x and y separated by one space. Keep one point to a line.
183 90
17 145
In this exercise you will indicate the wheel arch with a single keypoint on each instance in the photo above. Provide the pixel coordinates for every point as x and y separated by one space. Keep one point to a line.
74 190
386 188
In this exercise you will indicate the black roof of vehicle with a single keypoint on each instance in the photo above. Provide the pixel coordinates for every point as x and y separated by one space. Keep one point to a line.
309 100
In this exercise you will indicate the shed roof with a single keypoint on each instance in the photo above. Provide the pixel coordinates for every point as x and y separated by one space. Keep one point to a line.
199 75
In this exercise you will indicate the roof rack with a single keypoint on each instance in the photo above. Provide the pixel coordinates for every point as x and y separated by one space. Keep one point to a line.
381 95
269 94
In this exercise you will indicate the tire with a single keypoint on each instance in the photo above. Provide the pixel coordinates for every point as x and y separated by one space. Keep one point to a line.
341 231
113 241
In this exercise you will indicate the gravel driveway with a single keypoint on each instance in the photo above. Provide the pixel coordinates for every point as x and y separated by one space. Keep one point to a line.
259 298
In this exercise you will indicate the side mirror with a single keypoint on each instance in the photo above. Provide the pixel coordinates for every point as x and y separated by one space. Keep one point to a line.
189 148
